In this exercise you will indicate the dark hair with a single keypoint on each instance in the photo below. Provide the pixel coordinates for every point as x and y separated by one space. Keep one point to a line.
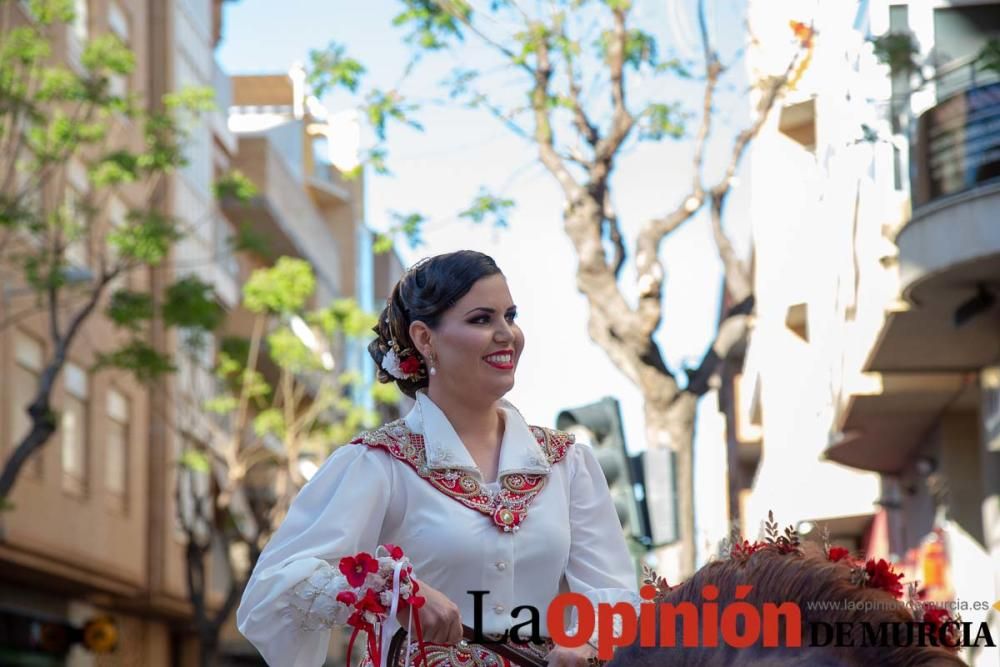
424 294
824 593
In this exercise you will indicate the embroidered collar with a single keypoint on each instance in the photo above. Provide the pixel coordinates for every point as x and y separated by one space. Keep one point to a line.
507 506
519 449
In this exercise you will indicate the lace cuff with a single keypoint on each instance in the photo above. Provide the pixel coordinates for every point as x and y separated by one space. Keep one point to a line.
312 603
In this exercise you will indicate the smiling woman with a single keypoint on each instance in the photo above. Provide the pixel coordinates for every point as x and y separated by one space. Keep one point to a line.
452 485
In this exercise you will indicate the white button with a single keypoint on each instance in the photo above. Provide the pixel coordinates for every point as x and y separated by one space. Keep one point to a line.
498 609
501 565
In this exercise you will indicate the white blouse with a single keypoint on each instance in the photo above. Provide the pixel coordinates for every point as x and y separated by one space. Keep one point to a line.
363 496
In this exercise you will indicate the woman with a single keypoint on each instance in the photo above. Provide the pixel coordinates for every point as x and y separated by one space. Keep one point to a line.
478 500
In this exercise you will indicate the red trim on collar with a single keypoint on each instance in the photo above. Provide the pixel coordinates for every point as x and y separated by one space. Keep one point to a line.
508 507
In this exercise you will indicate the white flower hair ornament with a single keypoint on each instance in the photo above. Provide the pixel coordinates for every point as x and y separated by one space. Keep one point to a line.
400 365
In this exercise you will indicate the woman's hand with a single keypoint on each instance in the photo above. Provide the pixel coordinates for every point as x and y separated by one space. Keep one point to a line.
440 619
560 656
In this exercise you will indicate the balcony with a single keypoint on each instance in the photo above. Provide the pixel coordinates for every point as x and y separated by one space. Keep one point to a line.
924 361
328 186
218 118
879 425
949 251
283 212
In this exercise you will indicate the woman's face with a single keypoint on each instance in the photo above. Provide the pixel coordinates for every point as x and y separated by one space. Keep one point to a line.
478 343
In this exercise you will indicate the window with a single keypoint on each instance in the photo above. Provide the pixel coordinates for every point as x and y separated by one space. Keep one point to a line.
116 455
118 85
117 219
960 34
79 30
80 19
118 22
74 427
28 362
76 217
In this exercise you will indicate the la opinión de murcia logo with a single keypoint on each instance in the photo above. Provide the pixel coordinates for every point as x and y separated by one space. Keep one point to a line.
738 624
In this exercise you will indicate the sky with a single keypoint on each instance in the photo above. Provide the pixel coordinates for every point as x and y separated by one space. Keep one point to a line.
439 171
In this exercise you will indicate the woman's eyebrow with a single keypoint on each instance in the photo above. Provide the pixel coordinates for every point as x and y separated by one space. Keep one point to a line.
488 309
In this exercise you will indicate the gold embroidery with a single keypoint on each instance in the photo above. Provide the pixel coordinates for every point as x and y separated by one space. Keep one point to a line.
508 507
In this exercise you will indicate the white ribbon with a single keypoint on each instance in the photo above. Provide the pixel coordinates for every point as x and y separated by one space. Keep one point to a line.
391 624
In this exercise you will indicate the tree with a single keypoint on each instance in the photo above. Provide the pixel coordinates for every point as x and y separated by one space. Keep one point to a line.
279 410
61 246
577 101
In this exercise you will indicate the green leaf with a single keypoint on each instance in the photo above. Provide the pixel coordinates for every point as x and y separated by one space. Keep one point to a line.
116 168
486 205
409 225
130 309
146 239
48 12
60 84
139 358
988 58
235 350
163 144
192 99
660 121
270 422
330 68
195 461
458 83
640 47
342 316
221 405
898 50
376 157
381 107
291 353
191 303
431 26
24 46
285 288
235 185
248 239
107 55
382 244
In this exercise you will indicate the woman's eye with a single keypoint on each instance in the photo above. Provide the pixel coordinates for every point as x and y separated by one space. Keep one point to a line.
485 319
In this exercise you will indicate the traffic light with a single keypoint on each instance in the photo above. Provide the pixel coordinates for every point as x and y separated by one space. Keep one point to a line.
600 424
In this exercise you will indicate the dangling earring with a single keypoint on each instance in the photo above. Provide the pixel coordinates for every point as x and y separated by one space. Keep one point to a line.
433 370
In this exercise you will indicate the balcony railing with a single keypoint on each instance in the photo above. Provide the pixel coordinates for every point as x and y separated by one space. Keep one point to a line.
957 143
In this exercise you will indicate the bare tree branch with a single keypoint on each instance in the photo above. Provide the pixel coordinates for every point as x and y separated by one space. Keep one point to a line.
615 234
622 121
735 271
731 332
448 6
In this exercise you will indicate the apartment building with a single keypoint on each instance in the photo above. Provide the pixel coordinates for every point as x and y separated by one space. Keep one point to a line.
296 153
867 398
98 527
814 205
927 423
75 547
